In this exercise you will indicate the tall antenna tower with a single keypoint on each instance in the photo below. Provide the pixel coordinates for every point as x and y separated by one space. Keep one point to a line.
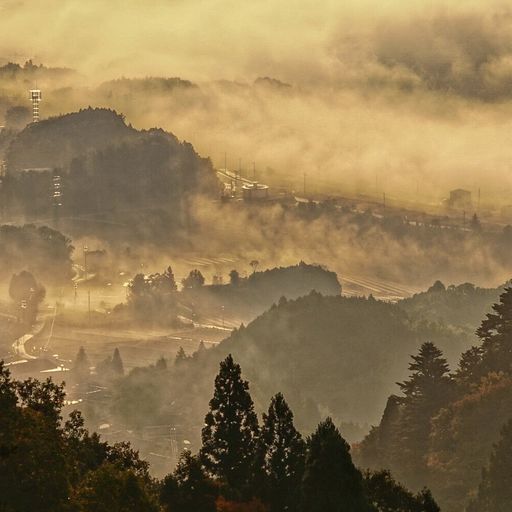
35 97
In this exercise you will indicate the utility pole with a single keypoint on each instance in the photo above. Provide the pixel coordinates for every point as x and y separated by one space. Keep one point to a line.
86 250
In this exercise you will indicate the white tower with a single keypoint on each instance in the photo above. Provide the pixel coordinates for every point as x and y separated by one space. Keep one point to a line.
35 97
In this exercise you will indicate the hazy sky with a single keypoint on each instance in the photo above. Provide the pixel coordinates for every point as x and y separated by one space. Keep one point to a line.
411 95
202 39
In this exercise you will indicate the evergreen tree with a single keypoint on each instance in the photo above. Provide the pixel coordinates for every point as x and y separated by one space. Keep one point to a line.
167 283
495 490
81 365
469 371
234 278
430 375
231 430
331 482
117 363
283 452
427 502
496 335
428 388
181 357
161 364
188 489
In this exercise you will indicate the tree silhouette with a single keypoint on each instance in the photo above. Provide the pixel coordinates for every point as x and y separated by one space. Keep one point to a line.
231 429
331 481
428 388
81 365
496 335
194 279
495 490
283 456
117 363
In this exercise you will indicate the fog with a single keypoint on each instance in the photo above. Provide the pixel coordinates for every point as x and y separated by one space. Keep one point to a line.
410 101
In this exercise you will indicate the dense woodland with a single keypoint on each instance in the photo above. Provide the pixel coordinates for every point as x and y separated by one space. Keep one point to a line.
108 173
48 464
435 432
364 340
154 299
441 429
446 424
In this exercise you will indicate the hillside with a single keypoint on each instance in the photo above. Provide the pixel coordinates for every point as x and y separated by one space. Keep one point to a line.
441 429
248 297
56 141
329 355
461 306
107 169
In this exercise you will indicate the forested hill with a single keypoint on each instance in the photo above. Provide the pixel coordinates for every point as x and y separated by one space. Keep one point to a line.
329 355
460 306
248 297
452 430
56 141
105 166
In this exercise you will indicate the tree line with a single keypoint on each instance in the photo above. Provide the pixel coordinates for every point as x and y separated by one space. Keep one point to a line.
48 464
453 430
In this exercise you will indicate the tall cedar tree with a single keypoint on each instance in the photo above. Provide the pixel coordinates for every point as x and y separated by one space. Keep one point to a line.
283 453
81 366
331 482
230 433
495 490
427 390
496 335
117 363
188 489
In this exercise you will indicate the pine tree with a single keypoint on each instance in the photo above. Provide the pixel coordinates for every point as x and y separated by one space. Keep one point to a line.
231 430
495 490
427 502
116 365
181 357
161 364
469 371
496 335
81 365
428 388
169 281
283 453
331 482
429 375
